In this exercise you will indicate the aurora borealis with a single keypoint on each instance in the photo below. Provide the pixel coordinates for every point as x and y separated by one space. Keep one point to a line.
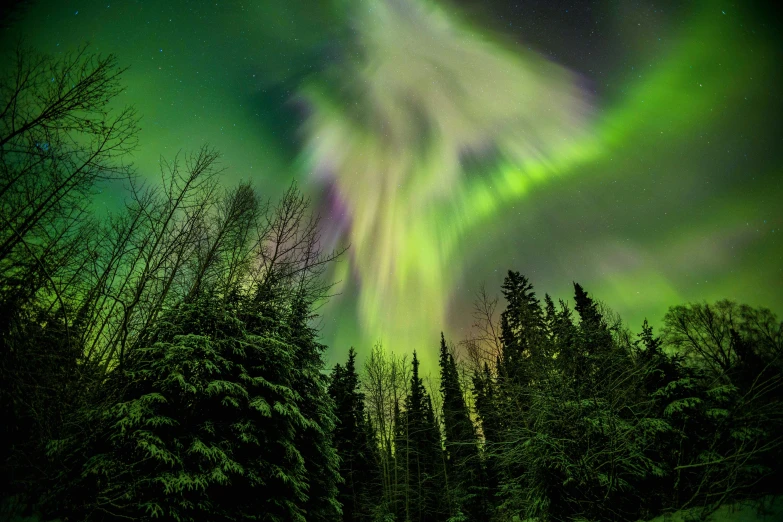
425 97
634 147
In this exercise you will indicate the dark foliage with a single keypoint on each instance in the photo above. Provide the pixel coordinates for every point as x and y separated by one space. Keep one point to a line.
464 478
581 423
356 445
419 454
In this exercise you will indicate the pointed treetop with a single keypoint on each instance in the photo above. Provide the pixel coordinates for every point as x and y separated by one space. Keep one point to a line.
585 306
651 343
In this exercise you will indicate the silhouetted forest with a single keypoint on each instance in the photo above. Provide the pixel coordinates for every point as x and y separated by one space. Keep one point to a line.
159 361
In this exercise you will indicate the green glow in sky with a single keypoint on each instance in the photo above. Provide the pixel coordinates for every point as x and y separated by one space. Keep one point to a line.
425 92
648 168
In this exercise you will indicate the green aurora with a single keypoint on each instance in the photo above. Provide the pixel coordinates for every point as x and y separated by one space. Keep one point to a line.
649 171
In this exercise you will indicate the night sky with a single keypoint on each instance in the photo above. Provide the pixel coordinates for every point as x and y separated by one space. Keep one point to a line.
635 147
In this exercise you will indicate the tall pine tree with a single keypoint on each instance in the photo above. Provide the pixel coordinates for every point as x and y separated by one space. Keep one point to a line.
463 467
359 493
419 451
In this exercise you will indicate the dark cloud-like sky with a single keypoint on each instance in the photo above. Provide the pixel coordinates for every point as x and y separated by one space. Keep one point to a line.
634 147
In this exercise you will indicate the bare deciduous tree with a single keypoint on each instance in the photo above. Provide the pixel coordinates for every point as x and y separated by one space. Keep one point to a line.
59 136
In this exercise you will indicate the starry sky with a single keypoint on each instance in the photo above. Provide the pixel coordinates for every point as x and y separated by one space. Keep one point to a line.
633 146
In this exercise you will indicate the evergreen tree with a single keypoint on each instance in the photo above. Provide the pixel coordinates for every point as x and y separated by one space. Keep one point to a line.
519 370
463 466
421 454
400 463
315 439
594 342
356 445
569 445
488 414
661 374
221 418
522 326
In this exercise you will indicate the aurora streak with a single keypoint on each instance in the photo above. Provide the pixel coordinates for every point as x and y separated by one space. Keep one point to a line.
633 147
427 93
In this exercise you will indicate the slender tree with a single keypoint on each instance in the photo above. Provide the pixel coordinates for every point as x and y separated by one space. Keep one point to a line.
463 467
419 453
356 444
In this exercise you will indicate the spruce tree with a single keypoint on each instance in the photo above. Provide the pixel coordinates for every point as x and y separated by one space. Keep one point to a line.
519 370
401 468
355 443
224 416
487 411
522 324
463 468
314 440
204 426
421 449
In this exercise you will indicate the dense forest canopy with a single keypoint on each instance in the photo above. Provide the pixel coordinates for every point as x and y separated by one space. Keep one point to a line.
166 357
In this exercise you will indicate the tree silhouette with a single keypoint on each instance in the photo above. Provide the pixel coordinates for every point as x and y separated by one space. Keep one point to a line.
464 478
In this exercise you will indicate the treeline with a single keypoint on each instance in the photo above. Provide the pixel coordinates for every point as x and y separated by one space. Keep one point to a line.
159 360
554 414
